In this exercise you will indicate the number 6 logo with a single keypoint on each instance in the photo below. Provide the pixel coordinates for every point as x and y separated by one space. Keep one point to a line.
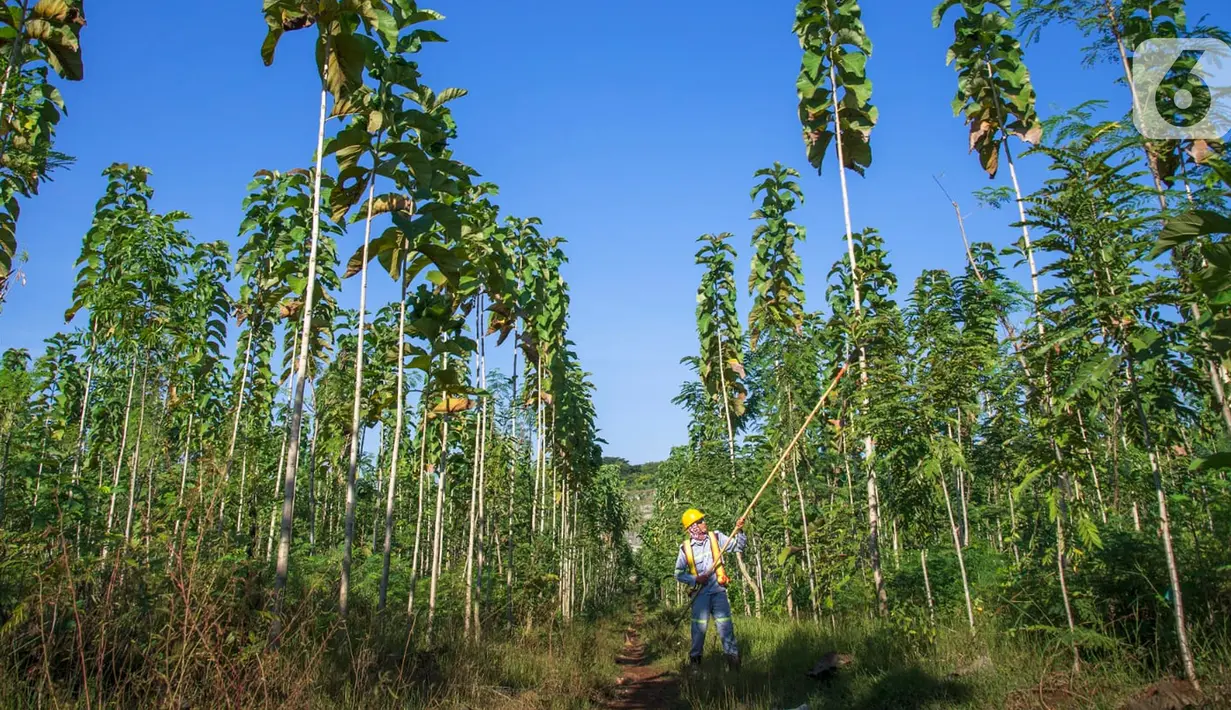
1182 89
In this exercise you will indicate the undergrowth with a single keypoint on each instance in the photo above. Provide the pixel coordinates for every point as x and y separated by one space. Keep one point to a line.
127 636
899 664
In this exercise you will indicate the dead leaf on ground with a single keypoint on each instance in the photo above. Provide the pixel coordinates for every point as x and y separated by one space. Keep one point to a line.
1171 694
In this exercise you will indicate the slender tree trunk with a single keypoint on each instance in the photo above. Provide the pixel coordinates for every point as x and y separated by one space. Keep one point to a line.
184 471
1064 588
897 554
414 558
726 404
760 577
273 515
79 445
136 463
803 515
516 407
356 407
438 534
482 514
562 565
558 529
957 546
239 401
536 521
377 518
850 482
148 518
243 480
961 495
788 580
1062 493
472 515
395 458
292 458
868 445
927 583
1164 522
38 474
471 522
4 469
119 463
179 498
750 586
1013 529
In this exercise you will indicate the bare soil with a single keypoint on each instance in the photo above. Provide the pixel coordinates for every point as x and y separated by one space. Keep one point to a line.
641 684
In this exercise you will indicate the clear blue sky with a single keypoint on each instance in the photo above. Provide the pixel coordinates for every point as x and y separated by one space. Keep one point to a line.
630 128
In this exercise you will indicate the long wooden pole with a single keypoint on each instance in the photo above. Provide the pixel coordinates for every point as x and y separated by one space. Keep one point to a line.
785 454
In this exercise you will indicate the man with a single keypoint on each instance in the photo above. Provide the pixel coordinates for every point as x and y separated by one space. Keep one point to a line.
694 566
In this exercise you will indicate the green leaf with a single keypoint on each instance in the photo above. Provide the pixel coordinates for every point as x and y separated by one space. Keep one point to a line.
1214 462
1190 226
270 45
1092 373
343 67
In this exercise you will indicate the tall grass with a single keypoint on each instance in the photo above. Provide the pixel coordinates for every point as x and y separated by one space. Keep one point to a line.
121 634
901 664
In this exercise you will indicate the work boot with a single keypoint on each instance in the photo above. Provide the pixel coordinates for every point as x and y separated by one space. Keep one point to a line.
694 665
732 662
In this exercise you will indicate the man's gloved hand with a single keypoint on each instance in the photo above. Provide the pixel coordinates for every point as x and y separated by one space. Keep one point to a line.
739 524
703 578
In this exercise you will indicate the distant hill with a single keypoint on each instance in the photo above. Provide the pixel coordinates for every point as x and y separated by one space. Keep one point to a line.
639 487
635 475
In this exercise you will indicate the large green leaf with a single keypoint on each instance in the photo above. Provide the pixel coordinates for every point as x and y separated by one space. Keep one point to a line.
342 67
1189 227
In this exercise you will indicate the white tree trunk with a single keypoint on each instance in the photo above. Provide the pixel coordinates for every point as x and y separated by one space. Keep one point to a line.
927 583
395 458
239 401
438 532
292 457
957 547
119 463
415 556
136 463
243 480
869 447
1164 524
356 407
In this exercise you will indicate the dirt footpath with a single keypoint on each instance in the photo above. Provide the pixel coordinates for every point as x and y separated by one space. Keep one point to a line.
641 685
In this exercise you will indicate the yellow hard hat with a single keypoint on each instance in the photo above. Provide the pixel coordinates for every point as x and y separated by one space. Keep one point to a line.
691 516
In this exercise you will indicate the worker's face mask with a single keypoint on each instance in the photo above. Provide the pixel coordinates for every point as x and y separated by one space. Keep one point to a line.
697 530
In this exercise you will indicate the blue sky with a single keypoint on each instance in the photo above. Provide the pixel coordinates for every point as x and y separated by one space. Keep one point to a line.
630 128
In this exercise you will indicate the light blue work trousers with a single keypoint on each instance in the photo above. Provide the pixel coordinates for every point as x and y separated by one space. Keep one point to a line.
707 606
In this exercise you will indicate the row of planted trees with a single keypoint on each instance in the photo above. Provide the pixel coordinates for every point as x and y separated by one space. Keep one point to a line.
1058 448
345 461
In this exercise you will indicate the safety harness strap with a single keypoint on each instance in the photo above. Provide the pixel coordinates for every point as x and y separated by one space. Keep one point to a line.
720 572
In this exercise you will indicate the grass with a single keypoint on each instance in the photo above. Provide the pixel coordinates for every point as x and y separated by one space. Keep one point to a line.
196 652
561 668
900 666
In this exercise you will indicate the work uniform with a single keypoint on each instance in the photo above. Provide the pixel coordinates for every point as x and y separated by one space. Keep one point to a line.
711 601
